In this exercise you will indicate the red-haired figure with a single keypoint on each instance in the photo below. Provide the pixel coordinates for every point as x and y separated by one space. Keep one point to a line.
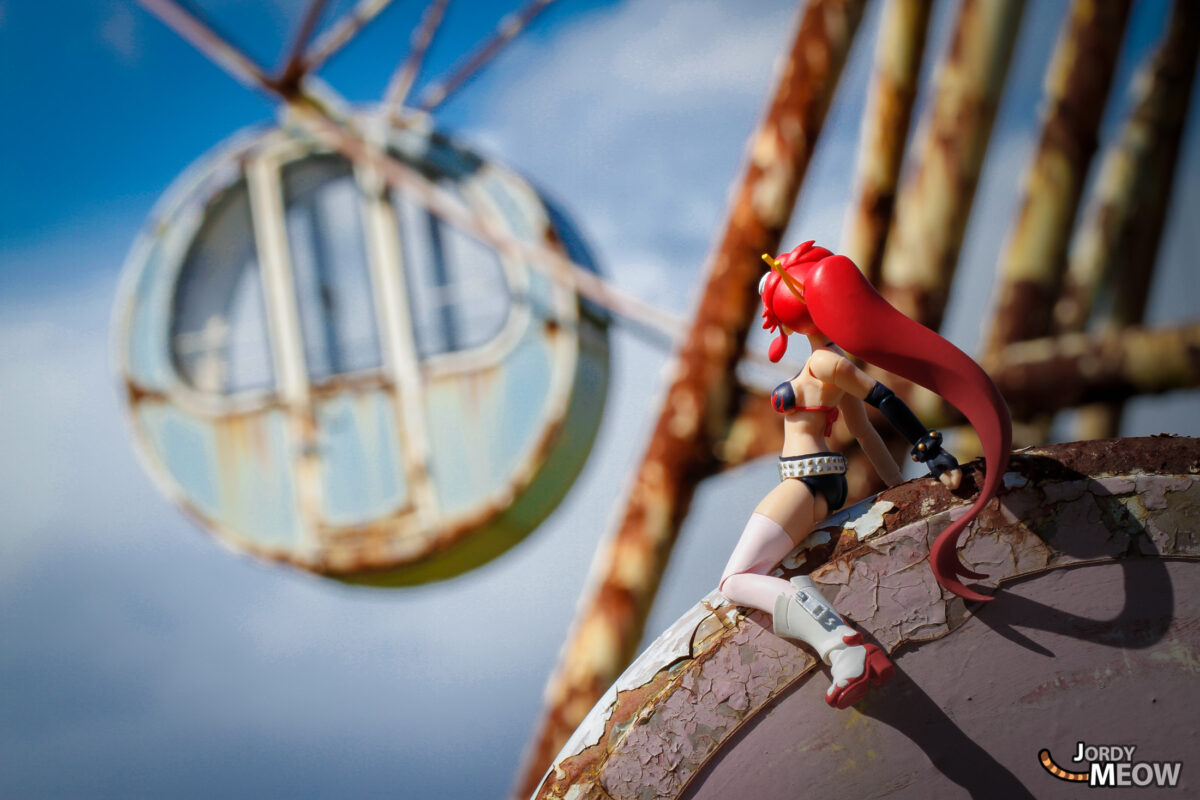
823 296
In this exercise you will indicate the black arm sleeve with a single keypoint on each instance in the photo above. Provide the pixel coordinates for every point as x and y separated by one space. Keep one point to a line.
927 444
897 413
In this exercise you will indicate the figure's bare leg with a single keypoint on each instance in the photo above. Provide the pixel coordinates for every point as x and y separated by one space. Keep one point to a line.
798 610
779 523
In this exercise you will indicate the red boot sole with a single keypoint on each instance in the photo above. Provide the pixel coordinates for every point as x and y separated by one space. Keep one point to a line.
877 669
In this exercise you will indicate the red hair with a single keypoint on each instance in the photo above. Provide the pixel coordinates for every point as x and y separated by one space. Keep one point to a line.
841 304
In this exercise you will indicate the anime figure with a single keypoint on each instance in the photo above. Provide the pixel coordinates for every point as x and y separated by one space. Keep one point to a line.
823 296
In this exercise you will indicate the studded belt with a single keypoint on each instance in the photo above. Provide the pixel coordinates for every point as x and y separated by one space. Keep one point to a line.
812 465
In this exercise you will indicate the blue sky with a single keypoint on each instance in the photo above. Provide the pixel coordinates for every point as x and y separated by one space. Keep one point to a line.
142 659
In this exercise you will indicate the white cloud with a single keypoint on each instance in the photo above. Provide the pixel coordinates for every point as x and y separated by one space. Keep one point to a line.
120 31
634 116
64 455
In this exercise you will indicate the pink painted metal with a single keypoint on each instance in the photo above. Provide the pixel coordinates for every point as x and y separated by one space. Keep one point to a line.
1102 654
1094 637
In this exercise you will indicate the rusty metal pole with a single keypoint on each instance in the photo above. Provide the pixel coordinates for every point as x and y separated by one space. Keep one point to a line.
506 32
899 46
701 396
324 116
341 33
1108 366
935 200
932 206
898 51
1128 204
1077 86
401 82
292 68
1117 243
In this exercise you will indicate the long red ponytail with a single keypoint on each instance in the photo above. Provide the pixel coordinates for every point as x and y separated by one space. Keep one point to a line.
844 306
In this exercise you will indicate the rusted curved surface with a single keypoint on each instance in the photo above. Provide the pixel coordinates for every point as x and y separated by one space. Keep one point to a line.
1122 629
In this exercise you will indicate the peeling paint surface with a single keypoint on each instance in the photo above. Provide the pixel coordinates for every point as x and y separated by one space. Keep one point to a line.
1111 509
665 748
1085 654
868 524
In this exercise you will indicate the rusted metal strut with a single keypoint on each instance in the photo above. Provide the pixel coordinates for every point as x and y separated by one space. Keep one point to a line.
700 398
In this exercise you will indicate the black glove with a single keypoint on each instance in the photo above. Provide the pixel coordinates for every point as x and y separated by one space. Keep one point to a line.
928 450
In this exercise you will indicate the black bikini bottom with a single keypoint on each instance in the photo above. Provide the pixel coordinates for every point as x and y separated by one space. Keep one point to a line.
832 487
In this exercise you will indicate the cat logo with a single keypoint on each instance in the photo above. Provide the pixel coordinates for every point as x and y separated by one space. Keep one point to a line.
1113 765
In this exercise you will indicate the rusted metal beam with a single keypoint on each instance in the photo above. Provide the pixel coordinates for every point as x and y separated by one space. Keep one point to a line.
1107 366
341 135
510 27
201 35
1077 86
695 412
402 81
935 198
1137 169
1117 244
898 51
292 69
323 116
341 33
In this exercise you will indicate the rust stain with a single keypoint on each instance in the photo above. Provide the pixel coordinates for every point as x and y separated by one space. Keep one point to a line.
677 706
1077 85
933 204
898 51
1120 232
657 733
682 446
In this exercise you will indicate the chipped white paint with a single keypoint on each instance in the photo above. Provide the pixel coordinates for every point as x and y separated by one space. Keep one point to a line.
1154 492
576 792
674 644
1114 486
715 600
838 521
870 522
864 518
1133 504
878 588
591 729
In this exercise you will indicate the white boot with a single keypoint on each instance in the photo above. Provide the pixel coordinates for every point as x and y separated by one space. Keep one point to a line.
808 616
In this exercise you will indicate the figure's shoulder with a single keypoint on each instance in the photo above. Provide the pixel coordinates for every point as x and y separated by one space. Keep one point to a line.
824 363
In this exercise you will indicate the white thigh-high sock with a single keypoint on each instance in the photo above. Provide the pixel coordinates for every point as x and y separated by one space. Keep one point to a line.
745 582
